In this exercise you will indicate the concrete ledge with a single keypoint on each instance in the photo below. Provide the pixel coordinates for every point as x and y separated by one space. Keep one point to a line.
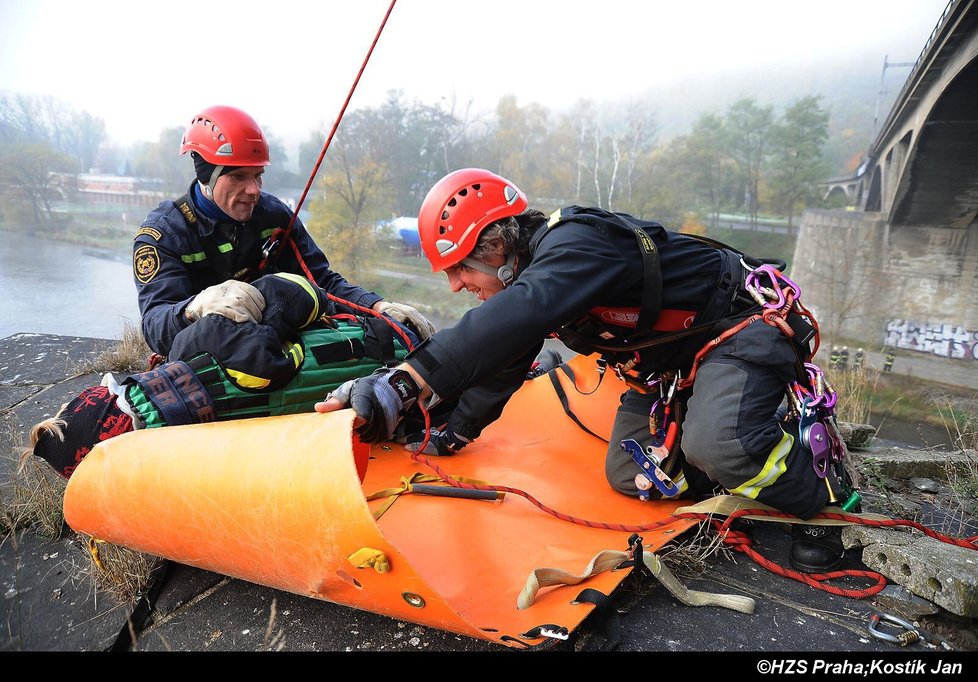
942 573
902 463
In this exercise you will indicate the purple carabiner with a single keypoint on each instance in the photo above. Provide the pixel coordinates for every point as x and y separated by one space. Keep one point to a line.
776 279
752 283
816 378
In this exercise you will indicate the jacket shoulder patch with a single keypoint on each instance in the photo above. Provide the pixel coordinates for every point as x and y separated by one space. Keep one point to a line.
149 232
145 263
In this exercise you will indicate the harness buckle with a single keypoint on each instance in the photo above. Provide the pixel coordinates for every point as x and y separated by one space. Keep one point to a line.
270 244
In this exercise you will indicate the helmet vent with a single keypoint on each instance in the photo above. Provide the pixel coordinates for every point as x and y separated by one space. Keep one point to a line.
462 192
477 186
445 215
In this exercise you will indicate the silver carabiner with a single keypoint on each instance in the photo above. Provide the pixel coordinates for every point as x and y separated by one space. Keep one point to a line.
905 638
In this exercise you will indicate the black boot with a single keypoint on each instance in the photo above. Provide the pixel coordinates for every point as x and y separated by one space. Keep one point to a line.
816 549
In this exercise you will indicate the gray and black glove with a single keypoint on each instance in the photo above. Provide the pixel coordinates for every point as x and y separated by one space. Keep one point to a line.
441 444
381 399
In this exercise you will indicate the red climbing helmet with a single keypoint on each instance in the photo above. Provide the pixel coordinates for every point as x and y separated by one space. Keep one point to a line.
226 136
458 208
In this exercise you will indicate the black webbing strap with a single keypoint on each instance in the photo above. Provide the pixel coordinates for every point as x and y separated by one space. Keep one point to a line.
605 612
562 396
177 393
135 622
652 280
380 344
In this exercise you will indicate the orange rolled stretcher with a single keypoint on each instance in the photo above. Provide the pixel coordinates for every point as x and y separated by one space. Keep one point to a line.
283 502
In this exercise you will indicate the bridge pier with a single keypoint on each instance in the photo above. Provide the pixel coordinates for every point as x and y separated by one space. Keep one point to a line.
906 287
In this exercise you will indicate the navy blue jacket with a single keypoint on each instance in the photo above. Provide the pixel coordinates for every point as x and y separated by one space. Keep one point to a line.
575 271
178 252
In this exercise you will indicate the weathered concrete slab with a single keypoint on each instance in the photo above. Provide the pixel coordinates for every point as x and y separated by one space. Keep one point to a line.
937 571
44 606
43 359
903 463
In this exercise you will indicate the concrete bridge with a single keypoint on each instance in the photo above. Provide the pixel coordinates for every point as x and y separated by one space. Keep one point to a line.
899 266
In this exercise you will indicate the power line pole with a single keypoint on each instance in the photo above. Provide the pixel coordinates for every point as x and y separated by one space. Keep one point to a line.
879 95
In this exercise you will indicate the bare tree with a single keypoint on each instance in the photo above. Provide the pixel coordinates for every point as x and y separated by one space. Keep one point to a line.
31 171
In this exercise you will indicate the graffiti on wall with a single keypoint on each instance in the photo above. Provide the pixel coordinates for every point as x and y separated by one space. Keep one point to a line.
944 340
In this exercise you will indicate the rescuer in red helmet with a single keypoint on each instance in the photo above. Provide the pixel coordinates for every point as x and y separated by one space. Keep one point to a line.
660 308
196 255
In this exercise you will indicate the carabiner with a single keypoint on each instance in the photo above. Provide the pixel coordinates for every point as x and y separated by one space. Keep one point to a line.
909 635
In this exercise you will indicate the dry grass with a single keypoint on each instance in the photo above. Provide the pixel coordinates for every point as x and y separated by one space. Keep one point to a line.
118 571
855 388
129 355
688 556
274 639
33 496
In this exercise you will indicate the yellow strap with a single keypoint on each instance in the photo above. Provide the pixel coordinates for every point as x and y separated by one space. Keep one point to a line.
547 577
366 557
406 483
725 505
608 559
93 549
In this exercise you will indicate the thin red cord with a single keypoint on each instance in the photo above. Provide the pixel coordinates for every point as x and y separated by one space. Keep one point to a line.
332 132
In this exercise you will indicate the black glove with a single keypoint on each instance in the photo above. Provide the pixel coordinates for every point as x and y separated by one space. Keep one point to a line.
381 399
441 444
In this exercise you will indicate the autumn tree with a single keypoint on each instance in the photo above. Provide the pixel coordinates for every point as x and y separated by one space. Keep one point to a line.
162 159
353 195
517 143
797 163
46 120
29 173
748 128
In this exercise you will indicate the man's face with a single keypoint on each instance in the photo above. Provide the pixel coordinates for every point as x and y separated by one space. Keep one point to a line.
237 192
483 285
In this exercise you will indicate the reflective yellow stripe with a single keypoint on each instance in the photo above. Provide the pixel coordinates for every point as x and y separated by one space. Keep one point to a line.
680 482
224 248
193 257
268 233
770 472
554 218
295 350
305 284
248 381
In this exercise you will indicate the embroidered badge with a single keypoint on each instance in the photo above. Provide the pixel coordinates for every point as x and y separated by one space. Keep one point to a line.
150 232
145 263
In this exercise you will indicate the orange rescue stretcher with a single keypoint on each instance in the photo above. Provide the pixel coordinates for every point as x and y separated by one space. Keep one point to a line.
283 502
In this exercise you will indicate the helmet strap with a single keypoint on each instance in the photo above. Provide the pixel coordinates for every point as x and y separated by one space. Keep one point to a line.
505 273
208 188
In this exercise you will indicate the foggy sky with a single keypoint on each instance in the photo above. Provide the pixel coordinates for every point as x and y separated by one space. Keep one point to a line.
144 66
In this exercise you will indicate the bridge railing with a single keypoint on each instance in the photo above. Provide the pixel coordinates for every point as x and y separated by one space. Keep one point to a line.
914 72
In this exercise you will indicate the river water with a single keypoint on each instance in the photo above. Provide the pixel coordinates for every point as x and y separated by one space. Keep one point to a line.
51 287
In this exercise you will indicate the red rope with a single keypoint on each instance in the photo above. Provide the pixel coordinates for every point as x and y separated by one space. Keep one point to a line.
332 132
400 332
737 540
